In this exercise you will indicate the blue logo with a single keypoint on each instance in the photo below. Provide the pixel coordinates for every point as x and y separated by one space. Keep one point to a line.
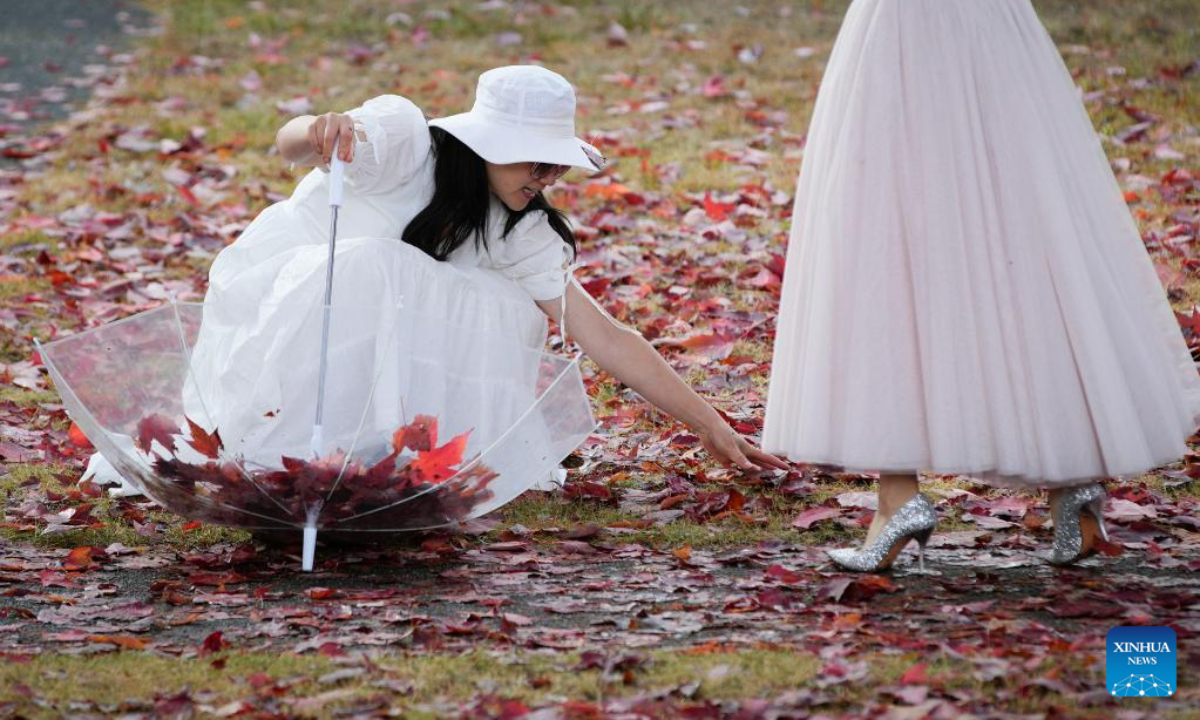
1141 661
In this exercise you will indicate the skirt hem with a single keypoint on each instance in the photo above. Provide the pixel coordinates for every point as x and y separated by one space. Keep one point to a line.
985 475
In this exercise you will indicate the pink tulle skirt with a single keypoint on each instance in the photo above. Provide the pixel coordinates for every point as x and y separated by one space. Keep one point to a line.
966 291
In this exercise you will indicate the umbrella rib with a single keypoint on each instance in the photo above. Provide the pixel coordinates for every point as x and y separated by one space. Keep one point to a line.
260 515
392 530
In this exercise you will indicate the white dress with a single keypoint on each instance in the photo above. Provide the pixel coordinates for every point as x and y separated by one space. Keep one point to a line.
966 291
255 358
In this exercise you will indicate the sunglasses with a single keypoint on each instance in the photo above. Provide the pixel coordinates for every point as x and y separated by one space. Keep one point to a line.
548 171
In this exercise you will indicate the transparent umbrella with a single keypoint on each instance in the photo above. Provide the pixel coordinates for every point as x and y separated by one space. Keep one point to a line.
410 442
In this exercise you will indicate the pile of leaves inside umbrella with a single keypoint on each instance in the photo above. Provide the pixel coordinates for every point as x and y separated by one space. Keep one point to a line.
418 485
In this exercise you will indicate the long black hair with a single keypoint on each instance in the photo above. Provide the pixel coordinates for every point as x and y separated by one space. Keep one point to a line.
461 198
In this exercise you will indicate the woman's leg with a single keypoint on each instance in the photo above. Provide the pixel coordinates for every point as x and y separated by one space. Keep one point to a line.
894 491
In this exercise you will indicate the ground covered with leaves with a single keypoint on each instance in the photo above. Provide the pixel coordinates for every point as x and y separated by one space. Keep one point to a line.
654 584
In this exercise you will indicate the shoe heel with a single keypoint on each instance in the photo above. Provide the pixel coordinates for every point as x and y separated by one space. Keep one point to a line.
1096 508
922 539
1072 508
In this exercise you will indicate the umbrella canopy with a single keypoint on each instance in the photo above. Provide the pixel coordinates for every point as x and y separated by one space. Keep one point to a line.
410 440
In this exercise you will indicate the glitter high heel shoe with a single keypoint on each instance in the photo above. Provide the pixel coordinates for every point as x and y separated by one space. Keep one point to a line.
915 519
1073 530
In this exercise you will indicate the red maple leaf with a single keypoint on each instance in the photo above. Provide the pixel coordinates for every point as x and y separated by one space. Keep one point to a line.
214 643
78 439
420 435
915 675
435 466
714 87
611 191
156 427
208 445
1190 321
716 345
188 195
381 470
812 516
716 210
82 558
779 574
777 264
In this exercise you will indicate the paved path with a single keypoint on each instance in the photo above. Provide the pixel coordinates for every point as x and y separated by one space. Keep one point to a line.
50 50
574 595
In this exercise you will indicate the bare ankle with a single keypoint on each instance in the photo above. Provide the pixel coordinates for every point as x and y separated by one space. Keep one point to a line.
894 491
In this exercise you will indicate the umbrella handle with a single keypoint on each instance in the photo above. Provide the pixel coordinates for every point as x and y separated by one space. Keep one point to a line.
337 178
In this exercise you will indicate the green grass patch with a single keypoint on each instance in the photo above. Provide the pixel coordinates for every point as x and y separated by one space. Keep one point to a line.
538 511
26 241
15 287
109 526
24 397
128 679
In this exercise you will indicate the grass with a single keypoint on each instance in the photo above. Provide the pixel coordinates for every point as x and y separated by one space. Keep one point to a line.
23 397
537 511
110 524
431 683
25 242
115 678
14 288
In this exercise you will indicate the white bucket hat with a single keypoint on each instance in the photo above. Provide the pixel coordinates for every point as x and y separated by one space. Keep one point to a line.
522 113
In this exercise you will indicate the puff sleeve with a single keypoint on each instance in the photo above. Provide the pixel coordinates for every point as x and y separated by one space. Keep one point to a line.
535 256
392 143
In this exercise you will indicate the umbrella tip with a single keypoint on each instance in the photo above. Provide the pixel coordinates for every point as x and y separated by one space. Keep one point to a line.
310 547
310 537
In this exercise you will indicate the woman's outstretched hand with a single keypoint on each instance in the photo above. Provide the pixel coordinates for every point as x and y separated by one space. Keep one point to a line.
626 354
731 449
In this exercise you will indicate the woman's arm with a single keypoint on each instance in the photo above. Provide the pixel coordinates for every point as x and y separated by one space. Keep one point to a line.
310 139
625 354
